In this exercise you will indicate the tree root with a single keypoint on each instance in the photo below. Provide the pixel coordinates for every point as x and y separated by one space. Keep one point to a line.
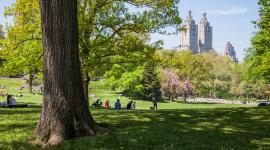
55 139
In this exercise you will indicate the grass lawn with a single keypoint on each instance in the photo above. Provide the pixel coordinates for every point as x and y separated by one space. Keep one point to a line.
215 128
173 126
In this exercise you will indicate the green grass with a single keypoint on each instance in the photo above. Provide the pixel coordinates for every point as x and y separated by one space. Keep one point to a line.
11 87
218 128
102 91
173 126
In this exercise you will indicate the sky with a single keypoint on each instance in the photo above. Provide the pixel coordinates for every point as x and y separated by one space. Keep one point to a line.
230 19
3 4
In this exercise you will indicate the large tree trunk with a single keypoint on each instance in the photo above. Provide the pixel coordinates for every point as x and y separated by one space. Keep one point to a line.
65 113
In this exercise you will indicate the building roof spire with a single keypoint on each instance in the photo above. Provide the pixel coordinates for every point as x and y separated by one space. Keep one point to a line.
204 19
189 14
204 16
189 20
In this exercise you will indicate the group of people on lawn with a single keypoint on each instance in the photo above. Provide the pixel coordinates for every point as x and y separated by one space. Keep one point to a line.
11 102
117 104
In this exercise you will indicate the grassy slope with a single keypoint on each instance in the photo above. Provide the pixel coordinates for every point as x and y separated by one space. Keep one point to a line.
11 87
102 91
193 126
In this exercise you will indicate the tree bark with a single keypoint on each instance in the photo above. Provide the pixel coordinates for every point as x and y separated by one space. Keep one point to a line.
65 113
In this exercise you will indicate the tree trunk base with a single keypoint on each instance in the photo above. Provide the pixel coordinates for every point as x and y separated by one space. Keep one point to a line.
47 141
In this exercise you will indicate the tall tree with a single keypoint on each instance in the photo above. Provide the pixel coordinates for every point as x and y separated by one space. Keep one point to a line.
107 28
104 29
22 49
150 82
259 54
64 112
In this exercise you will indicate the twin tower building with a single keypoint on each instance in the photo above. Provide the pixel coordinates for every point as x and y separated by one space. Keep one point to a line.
196 38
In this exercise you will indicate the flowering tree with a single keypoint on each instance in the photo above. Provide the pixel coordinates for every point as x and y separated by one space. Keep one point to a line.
170 84
186 89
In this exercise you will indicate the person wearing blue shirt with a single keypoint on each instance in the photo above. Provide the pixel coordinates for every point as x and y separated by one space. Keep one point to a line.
117 105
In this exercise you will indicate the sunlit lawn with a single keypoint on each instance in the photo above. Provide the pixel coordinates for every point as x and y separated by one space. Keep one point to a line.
217 128
173 126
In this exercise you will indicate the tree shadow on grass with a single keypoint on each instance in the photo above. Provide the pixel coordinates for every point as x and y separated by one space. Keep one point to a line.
16 126
222 128
13 111
236 128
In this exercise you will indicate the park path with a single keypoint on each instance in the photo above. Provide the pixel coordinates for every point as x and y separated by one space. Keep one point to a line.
221 101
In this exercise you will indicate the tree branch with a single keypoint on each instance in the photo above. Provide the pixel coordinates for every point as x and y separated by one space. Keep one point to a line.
23 41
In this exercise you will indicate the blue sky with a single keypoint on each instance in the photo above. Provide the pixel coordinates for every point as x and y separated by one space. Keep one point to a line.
4 3
231 21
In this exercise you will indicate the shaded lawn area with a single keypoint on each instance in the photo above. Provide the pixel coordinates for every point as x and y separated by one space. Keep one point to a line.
215 128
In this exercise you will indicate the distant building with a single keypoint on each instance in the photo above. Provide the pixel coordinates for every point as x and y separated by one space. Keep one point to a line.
205 35
196 38
189 35
230 51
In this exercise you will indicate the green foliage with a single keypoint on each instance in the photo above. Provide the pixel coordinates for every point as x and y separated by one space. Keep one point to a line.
150 82
256 75
260 51
107 28
213 75
195 68
110 33
22 50
135 80
221 73
126 77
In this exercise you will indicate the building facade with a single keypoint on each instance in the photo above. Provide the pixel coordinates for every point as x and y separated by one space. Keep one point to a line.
189 35
205 35
196 38
230 51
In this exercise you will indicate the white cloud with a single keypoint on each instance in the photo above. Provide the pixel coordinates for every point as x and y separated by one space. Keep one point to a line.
229 11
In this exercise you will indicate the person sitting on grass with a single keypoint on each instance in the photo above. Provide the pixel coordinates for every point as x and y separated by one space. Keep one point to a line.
8 100
129 105
107 104
97 103
133 105
12 102
100 104
117 105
